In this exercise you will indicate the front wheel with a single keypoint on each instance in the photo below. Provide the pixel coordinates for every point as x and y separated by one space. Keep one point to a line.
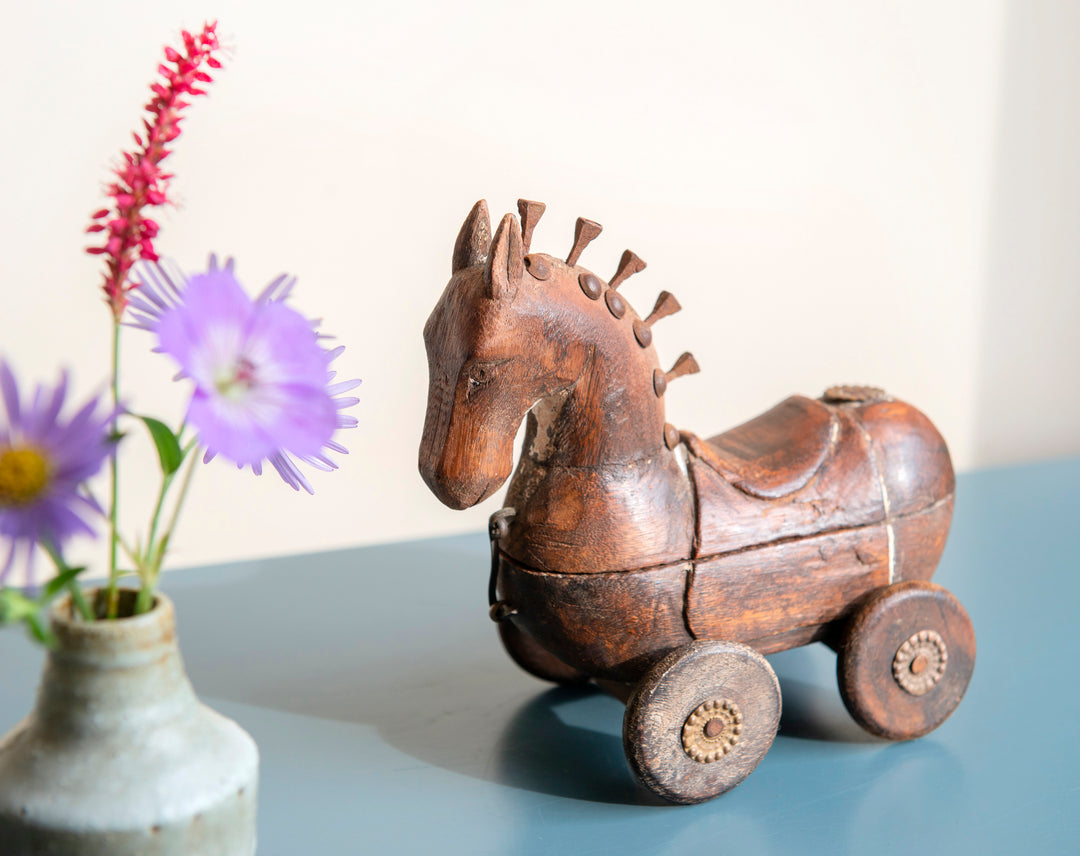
701 720
906 659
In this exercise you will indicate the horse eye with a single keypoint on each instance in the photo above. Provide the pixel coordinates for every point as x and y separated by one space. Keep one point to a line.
477 378
480 375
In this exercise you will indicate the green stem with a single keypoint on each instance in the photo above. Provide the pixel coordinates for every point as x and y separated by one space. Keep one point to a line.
112 598
73 587
130 552
176 508
166 483
156 552
144 599
80 601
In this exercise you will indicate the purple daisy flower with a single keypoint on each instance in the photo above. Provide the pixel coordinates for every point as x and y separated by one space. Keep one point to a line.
263 387
44 460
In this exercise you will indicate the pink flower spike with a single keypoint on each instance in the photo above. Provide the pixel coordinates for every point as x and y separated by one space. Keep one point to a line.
139 182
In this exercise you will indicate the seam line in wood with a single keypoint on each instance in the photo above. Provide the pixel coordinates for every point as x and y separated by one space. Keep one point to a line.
609 466
697 559
889 534
517 563
787 540
687 586
695 546
709 557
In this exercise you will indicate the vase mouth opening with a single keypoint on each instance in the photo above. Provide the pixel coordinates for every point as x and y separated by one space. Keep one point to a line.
145 632
126 599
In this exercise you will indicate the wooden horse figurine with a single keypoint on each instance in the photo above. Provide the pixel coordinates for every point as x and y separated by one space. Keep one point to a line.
664 566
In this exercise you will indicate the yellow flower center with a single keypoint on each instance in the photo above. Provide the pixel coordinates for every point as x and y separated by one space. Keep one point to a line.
24 475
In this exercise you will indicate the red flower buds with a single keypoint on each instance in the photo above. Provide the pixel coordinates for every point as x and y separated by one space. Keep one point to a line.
140 183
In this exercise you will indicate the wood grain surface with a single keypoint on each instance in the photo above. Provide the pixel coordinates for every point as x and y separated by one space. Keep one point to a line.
612 625
533 658
754 595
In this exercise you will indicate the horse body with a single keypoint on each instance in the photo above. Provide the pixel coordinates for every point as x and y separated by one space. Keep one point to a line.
663 565
618 551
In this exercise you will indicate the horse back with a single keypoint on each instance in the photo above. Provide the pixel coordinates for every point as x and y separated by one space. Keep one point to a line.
864 499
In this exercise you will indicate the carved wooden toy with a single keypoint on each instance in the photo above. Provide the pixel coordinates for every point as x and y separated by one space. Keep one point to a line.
664 566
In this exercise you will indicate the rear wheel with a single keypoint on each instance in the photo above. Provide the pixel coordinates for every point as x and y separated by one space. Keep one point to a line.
701 720
906 659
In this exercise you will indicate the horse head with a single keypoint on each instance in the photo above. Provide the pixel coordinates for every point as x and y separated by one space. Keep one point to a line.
496 345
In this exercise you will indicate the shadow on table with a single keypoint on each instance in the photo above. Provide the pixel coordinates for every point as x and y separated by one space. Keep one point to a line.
421 664
424 667
811 712
567 741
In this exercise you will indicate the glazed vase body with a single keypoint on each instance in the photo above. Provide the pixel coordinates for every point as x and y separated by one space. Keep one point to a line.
119 757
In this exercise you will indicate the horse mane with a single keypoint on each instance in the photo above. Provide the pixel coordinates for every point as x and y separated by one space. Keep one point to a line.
585 232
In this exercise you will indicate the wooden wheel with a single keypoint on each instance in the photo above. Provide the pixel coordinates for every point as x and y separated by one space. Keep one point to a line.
701 719
906 659
535 659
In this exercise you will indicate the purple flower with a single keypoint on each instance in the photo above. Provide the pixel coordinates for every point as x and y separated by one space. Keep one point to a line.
43 461
263 387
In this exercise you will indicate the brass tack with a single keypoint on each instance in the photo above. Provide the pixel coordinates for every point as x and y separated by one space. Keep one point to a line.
615 304
590 284
537 267
671 436
642 333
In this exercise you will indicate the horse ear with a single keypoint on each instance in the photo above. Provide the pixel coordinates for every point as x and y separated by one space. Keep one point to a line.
474 239
506 262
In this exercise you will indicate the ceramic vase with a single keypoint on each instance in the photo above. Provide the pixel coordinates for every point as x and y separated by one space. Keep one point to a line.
119 757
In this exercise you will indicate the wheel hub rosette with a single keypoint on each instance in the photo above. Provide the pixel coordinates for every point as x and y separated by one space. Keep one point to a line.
712 730
920 662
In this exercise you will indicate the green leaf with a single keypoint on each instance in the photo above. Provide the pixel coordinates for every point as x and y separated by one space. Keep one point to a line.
58 583
39 631
15 606
168 445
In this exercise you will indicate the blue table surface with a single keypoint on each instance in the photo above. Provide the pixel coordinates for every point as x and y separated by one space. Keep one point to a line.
390 721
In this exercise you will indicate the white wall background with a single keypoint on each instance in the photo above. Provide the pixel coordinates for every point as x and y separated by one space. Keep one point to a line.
872 192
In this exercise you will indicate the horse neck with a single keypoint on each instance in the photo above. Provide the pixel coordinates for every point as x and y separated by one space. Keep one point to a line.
611 417
596 486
